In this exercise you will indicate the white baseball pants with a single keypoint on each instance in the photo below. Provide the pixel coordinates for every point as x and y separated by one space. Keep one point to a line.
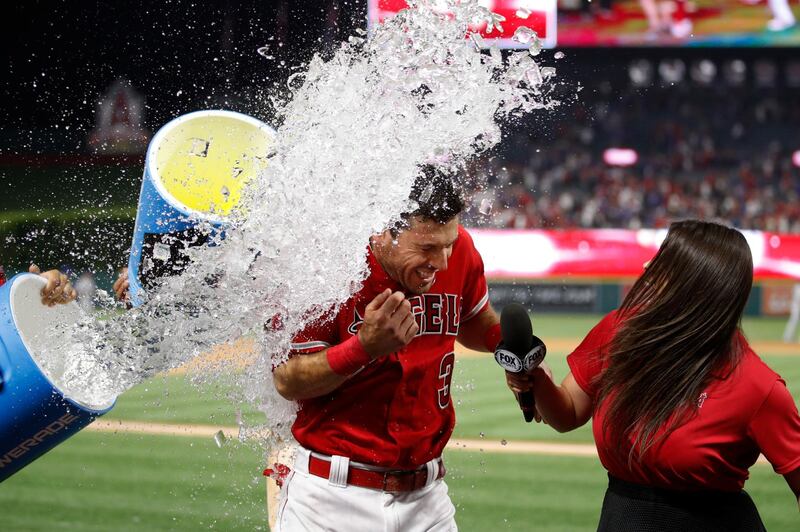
311 503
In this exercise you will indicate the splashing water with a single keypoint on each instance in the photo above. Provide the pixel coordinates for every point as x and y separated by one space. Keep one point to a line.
355 130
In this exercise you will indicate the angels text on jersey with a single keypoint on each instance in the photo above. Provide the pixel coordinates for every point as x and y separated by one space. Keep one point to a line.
434 313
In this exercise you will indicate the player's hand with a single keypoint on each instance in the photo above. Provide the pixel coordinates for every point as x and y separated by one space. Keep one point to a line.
58 288
389 324
121 285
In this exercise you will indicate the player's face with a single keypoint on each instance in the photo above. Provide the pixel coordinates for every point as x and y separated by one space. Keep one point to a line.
420 252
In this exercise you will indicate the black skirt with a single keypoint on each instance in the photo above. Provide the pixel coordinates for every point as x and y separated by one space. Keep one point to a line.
634 508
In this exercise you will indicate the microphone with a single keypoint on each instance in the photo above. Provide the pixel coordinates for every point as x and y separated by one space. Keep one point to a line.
520 351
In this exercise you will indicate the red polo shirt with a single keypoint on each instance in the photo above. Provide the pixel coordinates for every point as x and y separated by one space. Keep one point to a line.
738 417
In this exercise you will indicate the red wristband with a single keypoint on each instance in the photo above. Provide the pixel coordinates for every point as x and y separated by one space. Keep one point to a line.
492 337
348 357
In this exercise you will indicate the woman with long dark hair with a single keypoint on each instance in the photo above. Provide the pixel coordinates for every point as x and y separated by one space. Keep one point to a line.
681 405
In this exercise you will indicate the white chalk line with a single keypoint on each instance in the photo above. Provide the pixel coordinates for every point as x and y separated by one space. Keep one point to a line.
455 444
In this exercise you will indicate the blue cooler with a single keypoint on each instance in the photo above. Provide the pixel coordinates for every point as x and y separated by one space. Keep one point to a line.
35 416
196 169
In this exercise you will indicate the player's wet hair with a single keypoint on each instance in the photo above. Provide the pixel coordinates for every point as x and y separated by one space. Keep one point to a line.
680 329
436 194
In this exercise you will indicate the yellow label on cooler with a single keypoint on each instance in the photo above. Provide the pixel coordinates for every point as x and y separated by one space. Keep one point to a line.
205 161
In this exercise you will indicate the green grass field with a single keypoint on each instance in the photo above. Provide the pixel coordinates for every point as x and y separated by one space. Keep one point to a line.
122 481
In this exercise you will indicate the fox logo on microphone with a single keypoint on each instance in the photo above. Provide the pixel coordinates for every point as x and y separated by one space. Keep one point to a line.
534 356
508 360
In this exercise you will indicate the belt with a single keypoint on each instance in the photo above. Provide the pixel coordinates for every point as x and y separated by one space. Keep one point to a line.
390 480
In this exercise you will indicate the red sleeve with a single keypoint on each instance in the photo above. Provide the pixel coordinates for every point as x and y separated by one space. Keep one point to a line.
587 360
776 429
476 291
318 335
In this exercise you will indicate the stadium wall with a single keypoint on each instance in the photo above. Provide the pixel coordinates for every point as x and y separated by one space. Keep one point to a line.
770 298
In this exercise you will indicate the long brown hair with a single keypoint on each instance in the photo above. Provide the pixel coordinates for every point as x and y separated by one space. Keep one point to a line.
680 326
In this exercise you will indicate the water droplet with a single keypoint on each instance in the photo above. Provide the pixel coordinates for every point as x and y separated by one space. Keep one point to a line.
524 35
485 207
161 251
426 194
478 41
536 46
534 75
496 54
523 13
295 81
199 147
493 21
220 439
548 72
559 55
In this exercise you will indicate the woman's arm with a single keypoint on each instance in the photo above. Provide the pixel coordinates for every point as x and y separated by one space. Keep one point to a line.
564 407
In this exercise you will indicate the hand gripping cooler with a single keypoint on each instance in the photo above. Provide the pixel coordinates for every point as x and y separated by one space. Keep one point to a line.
195 171
35 415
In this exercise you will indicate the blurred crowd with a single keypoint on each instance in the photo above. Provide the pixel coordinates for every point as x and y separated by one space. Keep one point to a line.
707 154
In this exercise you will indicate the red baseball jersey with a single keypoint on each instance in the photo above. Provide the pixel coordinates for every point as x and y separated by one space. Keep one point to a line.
395 412
747 413
2 276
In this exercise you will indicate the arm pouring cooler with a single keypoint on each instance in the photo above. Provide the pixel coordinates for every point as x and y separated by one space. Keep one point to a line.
35 413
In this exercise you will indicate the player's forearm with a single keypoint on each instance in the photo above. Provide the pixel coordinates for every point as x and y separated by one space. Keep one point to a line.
554 404
306 377
472 334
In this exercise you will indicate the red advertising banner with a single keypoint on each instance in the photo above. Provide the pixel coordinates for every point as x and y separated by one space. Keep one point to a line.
624 23
610 253
538 15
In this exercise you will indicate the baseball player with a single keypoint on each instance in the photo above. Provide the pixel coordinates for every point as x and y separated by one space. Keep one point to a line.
374 380
790 332
782 16
662 19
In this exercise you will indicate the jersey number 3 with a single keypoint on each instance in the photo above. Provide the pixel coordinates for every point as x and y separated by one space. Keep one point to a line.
445 376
